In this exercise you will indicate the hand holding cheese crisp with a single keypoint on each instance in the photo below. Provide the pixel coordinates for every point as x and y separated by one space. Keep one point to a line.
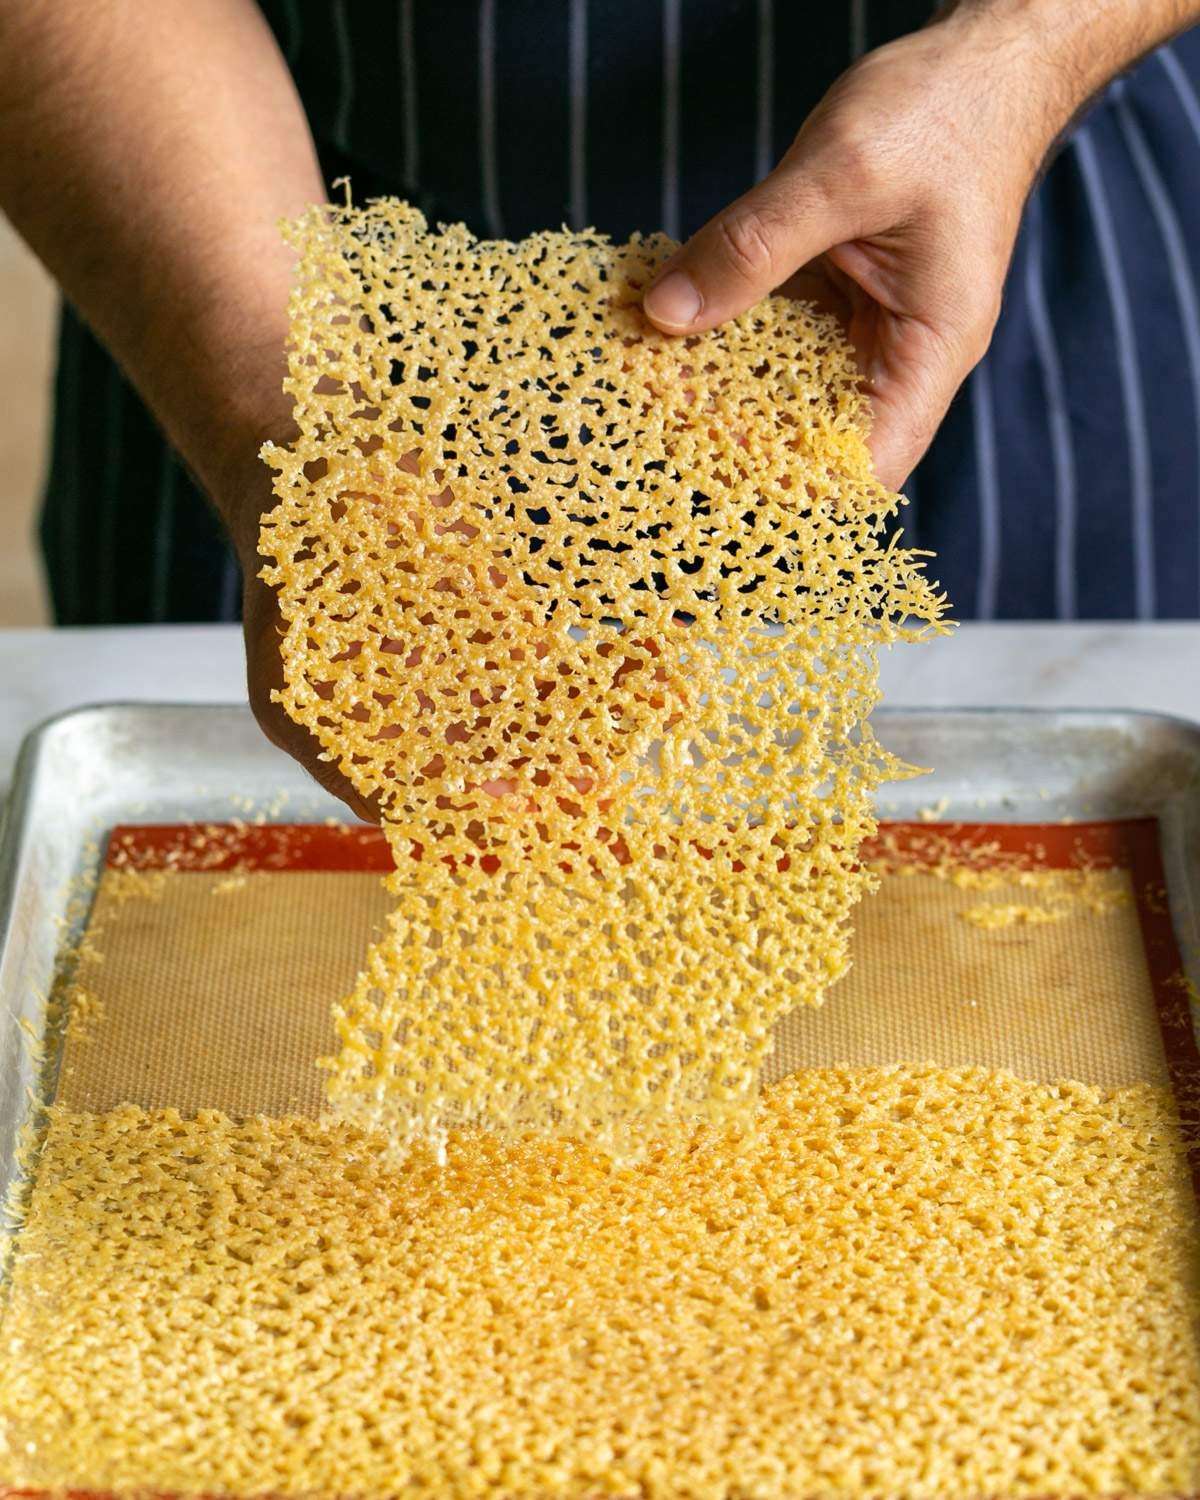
898 204
262 626
592 615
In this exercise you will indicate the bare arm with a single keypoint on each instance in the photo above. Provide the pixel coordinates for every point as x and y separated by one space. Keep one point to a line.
899 202
148 149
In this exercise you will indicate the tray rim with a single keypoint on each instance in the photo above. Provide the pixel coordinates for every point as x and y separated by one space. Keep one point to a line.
15 811
18 828
1173 800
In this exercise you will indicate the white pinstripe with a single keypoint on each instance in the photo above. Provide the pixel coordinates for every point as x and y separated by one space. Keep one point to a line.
341 120
577 68
1182 85
1057 419
230 602
231 594
1141 497
291 48
763 154
487 118
858 27
67 416
670 165
984 423
164 531
114 409
1173 242
408 83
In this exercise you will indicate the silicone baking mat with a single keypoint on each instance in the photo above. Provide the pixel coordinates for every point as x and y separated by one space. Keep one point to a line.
214 952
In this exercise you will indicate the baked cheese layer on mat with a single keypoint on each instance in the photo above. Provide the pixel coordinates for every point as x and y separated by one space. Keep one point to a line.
910 1281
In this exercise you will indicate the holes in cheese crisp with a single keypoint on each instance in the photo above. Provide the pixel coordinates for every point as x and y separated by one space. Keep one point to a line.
574 602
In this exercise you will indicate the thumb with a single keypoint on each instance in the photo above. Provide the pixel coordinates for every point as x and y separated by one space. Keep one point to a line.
744 253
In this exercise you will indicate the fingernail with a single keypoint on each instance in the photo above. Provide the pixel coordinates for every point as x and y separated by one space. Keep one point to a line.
674 300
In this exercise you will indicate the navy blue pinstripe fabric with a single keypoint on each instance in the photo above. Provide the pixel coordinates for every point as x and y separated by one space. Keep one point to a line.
1066 478
1094 378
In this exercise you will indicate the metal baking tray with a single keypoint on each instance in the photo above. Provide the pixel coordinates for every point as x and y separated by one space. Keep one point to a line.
87 770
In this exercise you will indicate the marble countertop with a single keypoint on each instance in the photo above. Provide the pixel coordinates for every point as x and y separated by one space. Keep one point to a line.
1153 667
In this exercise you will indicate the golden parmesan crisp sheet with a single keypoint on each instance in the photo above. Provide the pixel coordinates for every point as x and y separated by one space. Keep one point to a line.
908 1281
593 613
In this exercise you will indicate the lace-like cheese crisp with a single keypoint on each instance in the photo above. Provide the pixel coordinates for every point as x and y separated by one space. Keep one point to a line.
593 614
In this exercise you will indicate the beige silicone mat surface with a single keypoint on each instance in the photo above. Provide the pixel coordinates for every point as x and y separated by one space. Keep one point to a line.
204 989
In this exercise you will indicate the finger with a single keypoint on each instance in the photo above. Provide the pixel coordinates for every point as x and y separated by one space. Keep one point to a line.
748 250
912 383
294 740
303 746
264 669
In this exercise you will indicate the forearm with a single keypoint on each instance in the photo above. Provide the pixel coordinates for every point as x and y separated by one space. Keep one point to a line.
1097 37
147 152
1068 50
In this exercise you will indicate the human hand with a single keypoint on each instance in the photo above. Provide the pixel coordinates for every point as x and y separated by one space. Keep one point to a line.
243 496
244 501
896 208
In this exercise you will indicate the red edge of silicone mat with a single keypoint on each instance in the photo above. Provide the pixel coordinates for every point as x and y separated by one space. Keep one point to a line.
1130 844
1127 844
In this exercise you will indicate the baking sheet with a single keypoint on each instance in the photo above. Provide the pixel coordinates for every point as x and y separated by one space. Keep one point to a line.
89 770
1110 790
213 952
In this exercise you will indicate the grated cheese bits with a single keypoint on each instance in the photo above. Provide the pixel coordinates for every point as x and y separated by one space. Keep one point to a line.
593 614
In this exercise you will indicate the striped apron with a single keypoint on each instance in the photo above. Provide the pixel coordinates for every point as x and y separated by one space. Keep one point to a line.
1065 481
